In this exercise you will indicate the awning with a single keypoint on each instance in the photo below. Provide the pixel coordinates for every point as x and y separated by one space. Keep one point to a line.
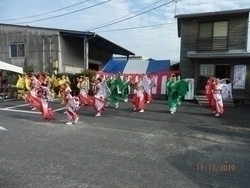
136 66
10 67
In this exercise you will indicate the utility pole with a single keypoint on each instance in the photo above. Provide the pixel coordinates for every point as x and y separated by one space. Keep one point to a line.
50 57
175 9
44 60
86 53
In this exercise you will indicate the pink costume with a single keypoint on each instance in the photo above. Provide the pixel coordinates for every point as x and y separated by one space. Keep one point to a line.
83 95
138 99
32 98
101 92
216 90
44 95
72 106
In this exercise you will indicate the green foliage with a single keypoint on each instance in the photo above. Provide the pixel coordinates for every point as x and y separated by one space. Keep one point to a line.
86 73
28 69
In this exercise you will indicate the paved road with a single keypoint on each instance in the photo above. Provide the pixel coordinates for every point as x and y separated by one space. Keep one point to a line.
123 149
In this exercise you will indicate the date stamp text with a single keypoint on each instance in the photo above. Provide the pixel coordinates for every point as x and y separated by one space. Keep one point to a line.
215 167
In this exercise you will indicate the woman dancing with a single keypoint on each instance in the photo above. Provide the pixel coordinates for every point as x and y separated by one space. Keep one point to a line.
101 93
217 98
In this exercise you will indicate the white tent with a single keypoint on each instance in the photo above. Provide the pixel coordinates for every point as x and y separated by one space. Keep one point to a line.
9 67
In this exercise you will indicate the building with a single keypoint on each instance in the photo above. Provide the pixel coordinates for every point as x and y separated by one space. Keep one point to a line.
48 49
136 65
215 43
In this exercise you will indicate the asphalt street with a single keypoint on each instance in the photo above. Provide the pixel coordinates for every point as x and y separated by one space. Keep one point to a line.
125 149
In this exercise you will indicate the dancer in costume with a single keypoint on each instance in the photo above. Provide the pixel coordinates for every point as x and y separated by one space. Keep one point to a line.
114 83
21 86
138 99
209 94
62 83
84 90
53 85
45 97
27 88
177 90
216 90
126 88
72 106
179 99
100 94
169 82
148 84
33 99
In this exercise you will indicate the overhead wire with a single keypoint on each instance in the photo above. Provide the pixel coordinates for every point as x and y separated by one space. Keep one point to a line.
122 20
125 15
138 27
65 13
45 12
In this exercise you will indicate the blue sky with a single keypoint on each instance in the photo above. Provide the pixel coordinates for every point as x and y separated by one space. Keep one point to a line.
159 42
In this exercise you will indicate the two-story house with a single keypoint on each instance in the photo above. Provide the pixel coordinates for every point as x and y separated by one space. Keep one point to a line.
215 44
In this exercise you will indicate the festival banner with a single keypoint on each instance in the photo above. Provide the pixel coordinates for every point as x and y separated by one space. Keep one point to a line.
190 93
226 92
239 76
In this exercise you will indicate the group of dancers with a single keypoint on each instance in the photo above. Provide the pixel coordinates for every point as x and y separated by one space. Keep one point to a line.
40 90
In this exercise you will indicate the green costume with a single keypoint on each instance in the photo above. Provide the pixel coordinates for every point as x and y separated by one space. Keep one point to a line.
125 90
114 85
177 90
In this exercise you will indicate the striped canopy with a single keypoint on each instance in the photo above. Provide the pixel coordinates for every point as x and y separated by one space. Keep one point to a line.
136 66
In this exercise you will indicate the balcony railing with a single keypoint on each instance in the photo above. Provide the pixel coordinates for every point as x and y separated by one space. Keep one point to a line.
212 43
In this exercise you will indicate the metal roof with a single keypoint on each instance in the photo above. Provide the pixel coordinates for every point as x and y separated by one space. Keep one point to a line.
95 38
213 55
225 12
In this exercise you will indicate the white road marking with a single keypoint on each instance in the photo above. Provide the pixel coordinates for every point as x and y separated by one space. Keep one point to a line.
29 112
24 111
59 109
17 106
2 128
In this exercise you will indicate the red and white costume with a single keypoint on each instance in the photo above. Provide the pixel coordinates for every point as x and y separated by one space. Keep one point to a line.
217 99
72 106
45 97
83 95
138 99
101 93
148 84
32 97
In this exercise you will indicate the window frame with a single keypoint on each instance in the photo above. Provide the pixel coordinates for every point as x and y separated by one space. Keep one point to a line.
212 22
17 44
213 41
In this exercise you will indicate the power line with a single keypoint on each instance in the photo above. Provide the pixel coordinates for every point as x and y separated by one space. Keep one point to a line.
125 15
65 13
45 12
134 15
139 27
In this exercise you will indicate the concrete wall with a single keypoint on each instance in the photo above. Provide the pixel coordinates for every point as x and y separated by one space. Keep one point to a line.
33 40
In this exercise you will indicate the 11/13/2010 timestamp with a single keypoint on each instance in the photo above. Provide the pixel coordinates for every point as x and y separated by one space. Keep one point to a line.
215 167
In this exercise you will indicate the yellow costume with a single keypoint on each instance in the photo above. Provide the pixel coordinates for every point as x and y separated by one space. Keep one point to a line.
20 86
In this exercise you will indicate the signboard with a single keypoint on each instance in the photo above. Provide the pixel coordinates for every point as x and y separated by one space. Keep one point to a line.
190 94
239 76
226 91
206 70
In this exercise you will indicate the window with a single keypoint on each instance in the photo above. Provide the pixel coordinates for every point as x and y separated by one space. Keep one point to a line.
17 50
213 36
